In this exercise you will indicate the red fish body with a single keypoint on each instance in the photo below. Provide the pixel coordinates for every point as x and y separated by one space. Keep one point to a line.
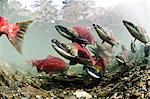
84 56
14 32
98 69
7 28
74 52
82 51
84 33
77 34
50 64
100 63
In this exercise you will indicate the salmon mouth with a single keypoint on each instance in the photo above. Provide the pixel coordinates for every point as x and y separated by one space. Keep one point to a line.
126 23
97 26
92 72
64 31
100 30
130 26
63 49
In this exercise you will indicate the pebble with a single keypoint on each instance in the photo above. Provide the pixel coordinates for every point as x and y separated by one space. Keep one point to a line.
149 94
141 84
137 94
148 83
82 94
126 79
38 97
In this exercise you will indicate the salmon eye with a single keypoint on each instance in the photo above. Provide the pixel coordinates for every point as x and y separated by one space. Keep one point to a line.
68 48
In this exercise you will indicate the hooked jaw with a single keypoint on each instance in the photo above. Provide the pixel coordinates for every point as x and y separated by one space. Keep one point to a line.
100 30
131 27
124 21
66 32
98 68
97 26
61 28
92 72
63 49
127 24
56 43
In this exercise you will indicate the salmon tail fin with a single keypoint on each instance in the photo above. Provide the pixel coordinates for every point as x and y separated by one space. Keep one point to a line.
17 42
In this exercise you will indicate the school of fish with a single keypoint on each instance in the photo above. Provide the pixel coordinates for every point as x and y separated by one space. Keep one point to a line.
76 52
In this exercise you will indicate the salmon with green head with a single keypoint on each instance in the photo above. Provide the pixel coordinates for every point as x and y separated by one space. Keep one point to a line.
94 65
136 31
73 52
79 34
104 35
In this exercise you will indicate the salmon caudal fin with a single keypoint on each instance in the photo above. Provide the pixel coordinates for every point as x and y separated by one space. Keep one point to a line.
17 41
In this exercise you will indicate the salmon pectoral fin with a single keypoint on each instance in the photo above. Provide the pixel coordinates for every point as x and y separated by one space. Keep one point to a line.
18 40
